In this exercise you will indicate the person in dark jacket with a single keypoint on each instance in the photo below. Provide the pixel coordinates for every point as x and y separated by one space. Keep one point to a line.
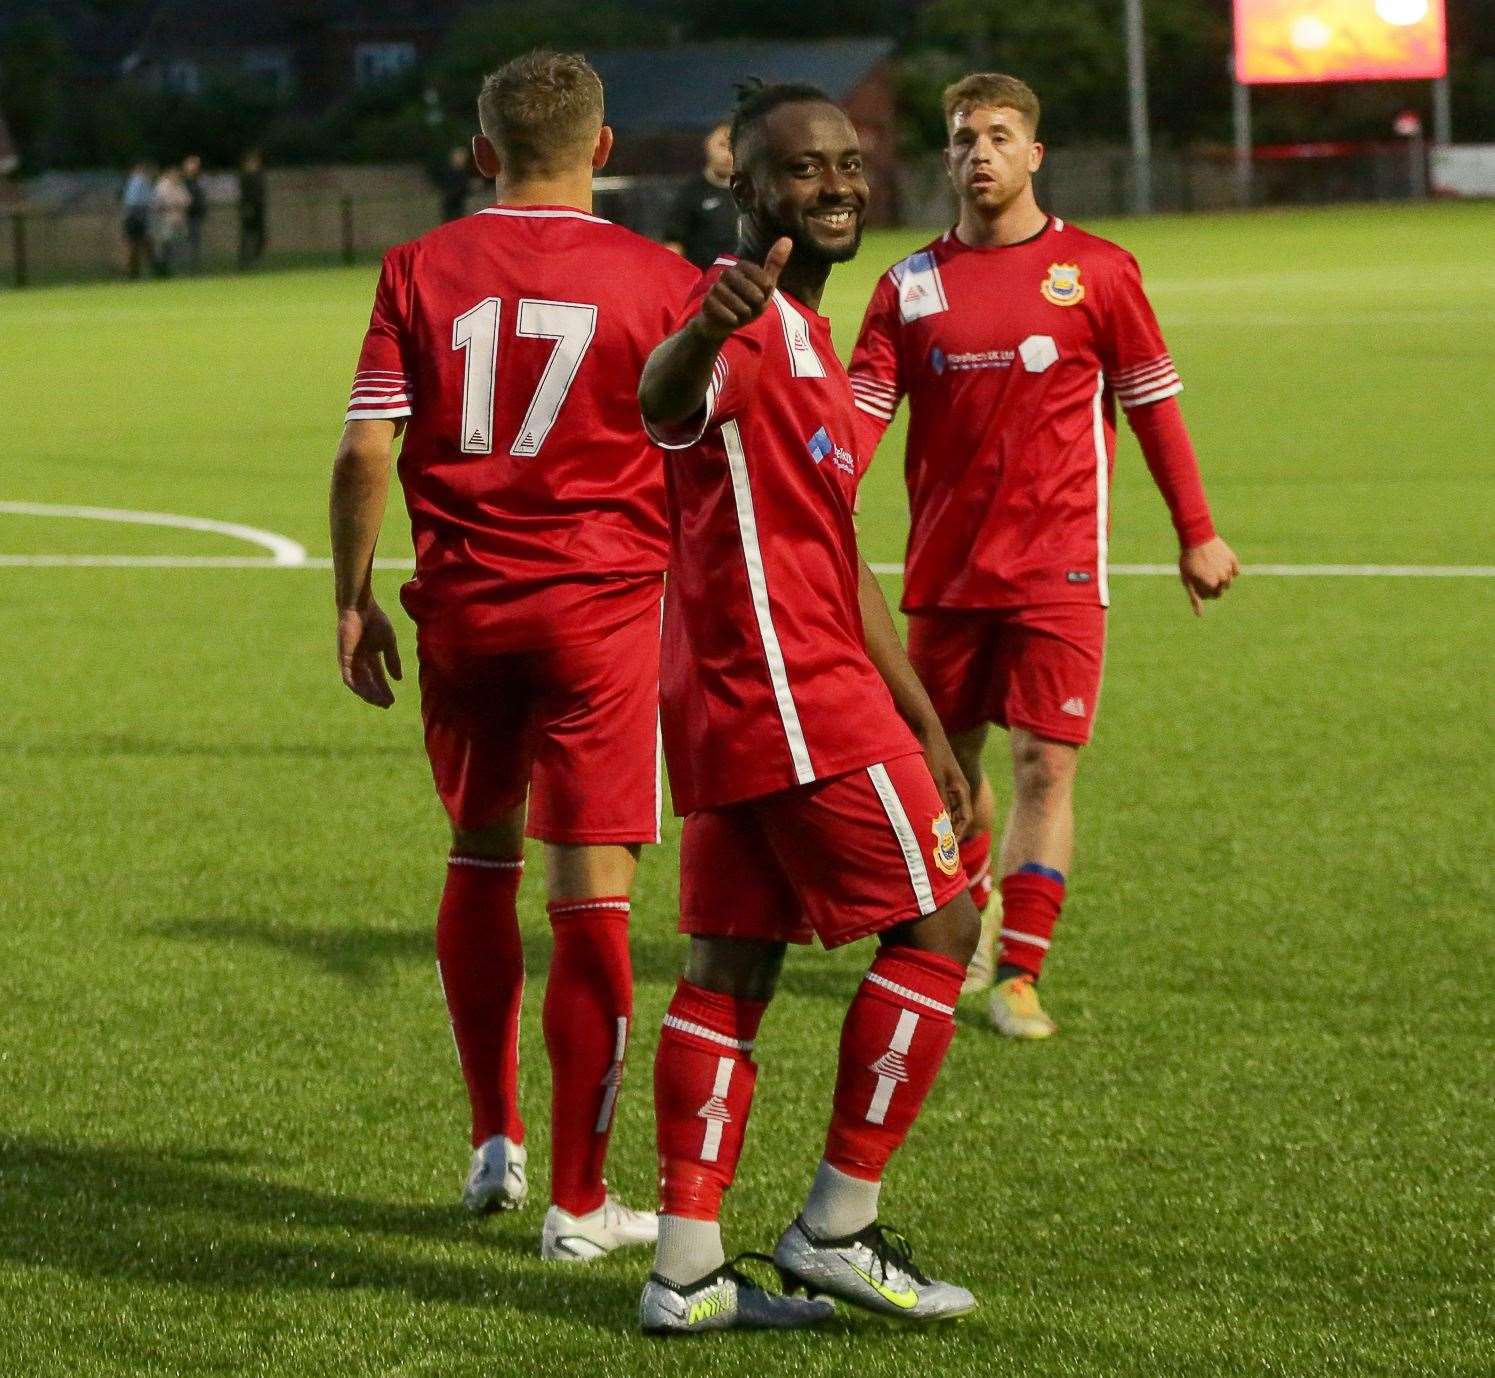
197 209
252 199
703 219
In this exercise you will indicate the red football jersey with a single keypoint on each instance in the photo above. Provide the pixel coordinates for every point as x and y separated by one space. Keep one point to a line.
1012 360
765 679
513 340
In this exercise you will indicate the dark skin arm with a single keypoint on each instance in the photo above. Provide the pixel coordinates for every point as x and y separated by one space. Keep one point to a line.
674 382
886 652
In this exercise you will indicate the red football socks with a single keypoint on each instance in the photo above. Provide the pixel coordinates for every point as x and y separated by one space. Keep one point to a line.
481 963
893 1042
975 857
703 1088
588 1012
1032 897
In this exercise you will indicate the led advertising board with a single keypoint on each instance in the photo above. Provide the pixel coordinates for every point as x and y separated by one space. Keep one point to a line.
1280 41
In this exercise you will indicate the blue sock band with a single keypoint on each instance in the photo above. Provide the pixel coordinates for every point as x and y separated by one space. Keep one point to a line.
1032 868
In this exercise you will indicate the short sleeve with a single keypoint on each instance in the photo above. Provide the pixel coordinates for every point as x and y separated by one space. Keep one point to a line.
1136 360
875 370
382 385
734 375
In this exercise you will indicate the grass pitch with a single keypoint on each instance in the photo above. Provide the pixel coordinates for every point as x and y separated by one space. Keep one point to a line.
231 1128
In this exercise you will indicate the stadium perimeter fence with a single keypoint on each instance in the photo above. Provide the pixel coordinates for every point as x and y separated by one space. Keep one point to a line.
327 216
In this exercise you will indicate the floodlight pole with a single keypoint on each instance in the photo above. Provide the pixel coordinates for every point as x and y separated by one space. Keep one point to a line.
1136 83
1442 114
1240 111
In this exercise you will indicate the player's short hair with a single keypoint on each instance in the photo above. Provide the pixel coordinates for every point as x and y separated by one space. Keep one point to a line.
991 89
755 101
542 111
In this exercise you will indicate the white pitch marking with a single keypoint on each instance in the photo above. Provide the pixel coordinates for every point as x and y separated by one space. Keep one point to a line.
283 551
1304 571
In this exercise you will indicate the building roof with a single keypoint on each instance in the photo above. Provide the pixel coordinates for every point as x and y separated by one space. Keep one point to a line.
692 86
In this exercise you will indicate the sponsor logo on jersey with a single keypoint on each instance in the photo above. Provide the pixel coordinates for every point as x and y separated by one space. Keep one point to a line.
822 447
946 849
973 359
1063 286
1077 576
1074 707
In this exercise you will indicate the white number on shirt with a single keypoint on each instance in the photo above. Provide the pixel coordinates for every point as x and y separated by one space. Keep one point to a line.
570 324
475 332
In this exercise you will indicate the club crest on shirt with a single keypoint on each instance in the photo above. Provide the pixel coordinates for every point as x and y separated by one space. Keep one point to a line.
1063 286
822 447
946 850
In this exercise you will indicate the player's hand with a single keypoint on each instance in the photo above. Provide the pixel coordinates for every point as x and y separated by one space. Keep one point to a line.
949 778
1207 571
365 650
742 293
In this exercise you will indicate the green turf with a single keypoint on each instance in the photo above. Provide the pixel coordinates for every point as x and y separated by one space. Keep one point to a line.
231 1130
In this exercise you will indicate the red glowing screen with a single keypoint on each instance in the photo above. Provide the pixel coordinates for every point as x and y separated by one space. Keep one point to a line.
1339 40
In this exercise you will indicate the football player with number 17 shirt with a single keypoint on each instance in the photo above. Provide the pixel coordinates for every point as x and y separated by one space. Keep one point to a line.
1013 337
497 344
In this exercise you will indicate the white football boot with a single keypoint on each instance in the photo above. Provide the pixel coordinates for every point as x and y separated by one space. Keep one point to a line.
496 1181
724 1300
873 1268
982 970
1015 1011
570 1238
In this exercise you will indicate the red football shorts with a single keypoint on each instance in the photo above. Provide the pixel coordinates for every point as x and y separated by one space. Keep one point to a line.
574 727
1037 668
839 860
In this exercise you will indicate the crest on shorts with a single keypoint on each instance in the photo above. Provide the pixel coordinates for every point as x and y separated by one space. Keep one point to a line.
946 850
1063 286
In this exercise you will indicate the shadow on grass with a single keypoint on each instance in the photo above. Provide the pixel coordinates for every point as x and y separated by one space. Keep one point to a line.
365 954
196 1219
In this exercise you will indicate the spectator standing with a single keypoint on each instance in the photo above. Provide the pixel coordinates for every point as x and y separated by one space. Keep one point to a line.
252 201
169 204
454 181
138 196
197 209
703 219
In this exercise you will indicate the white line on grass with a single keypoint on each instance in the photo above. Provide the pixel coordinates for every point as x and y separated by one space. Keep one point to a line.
404 566
283 551
1305 571
288 554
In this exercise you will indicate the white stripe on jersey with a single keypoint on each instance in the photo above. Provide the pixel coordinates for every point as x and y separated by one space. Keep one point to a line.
908 842
1141 399
804 362
1126 376
1102 491
773 653
532 213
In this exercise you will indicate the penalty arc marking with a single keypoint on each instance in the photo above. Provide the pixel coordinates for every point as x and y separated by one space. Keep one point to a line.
284 553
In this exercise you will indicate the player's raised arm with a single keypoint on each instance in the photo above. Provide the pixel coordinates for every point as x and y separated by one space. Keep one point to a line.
360 484
678 373
886 653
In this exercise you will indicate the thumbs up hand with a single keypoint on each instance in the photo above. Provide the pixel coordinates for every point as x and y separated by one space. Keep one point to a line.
742 293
